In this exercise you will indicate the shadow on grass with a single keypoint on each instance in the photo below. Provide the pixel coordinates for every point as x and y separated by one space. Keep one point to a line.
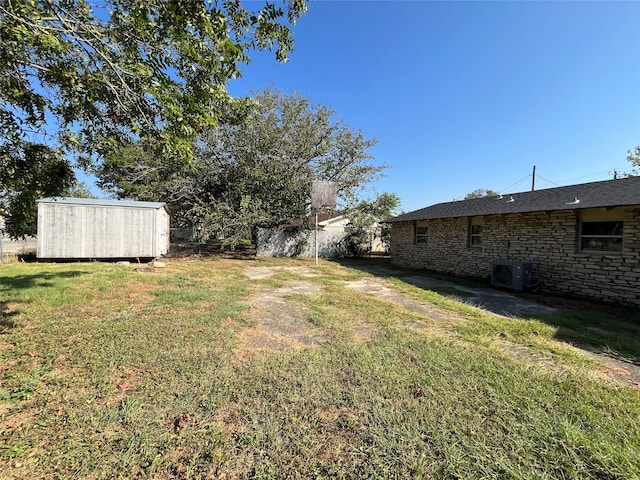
612 330
45 279
10 286
210 250
6 312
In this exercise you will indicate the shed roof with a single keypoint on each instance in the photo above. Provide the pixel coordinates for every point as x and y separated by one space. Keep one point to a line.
102 202
608 193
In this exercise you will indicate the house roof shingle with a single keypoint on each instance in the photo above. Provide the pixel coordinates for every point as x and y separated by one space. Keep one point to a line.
608 193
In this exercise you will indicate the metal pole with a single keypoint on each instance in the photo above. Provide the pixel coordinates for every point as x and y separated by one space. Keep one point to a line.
316 236
533 179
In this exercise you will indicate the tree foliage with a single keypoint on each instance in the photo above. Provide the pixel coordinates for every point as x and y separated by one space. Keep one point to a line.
481 192
365 227
257 173
633 157
79 190
79 79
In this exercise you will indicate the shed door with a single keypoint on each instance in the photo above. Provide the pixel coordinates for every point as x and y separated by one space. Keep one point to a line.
163 231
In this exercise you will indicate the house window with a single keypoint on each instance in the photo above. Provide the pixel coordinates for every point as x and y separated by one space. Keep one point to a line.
421 232
475 233
603 236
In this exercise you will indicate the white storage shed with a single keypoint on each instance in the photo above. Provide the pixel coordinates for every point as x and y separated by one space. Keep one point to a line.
100 229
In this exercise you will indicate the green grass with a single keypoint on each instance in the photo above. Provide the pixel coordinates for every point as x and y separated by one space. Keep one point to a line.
110 373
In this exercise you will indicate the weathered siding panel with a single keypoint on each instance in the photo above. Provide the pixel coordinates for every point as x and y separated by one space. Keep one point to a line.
73 230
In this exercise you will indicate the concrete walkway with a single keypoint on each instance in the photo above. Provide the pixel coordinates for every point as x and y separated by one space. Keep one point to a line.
497 301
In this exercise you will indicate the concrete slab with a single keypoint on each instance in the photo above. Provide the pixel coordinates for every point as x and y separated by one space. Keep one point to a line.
496 301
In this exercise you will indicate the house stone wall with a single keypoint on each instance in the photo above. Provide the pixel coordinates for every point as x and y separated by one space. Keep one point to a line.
548 239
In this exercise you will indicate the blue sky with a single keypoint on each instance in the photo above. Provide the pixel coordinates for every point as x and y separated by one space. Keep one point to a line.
467 95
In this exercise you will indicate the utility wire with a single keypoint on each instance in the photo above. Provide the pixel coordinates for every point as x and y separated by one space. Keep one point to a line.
507 190
548 181
590 175
567 181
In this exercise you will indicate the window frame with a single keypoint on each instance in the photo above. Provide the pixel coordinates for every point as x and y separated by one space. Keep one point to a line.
604 237
475 238
423 237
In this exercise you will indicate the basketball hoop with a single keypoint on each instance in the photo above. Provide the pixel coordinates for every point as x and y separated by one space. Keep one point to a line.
323 195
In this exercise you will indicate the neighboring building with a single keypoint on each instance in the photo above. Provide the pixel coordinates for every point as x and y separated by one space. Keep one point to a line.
338 222
329 221
82 228
298 238
581 239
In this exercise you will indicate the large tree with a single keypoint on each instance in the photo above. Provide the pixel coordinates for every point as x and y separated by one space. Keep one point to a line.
255 172
79 79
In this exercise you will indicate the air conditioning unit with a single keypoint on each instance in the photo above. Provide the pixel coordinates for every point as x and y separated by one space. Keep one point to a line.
511 274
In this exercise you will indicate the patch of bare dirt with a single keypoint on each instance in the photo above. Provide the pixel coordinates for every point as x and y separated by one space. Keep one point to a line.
625 372
363 333
230 418
19 420
539 359
140 292
9 308
147 270
259 273
280 324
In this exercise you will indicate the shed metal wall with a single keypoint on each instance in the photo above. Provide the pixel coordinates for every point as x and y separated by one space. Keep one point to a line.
75 230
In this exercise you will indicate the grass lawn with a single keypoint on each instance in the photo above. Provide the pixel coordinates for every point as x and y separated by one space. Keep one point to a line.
197 370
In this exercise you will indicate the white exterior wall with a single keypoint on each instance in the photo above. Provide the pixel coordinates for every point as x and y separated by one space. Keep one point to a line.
337 224
101 231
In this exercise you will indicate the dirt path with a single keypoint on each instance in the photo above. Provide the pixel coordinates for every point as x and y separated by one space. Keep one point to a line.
375 287
280 323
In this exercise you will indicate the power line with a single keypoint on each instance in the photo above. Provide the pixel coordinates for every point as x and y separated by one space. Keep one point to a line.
600 174
507 190
549 181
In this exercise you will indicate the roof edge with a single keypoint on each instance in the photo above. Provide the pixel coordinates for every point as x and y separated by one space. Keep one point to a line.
98 202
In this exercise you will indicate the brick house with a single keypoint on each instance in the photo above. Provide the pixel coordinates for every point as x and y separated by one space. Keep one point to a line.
581 240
